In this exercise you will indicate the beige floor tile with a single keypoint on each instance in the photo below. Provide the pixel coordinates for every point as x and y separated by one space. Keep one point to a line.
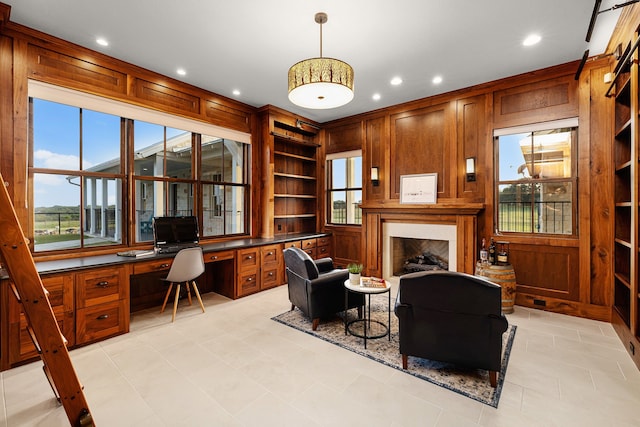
234 366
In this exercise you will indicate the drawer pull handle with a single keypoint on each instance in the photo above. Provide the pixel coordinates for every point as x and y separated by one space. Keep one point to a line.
164 265
215 257
102 284
102 317
249 257
271 274
270 253
249 279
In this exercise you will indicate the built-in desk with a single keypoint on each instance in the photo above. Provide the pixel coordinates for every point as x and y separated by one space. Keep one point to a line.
93 296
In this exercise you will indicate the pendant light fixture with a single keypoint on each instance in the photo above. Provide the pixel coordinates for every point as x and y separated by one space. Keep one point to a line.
321 83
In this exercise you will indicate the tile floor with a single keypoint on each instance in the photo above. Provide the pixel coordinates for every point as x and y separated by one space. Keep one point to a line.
233 366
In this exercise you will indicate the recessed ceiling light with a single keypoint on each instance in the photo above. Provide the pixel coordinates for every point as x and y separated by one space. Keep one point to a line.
102 42
396 81
376 97
181 72
236 92
531 40
437 80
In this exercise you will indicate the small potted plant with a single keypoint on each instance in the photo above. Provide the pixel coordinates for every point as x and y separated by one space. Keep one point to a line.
354 273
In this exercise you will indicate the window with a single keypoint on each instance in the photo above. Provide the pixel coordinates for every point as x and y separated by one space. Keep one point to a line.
224 178
344 188
76 194
78 171
536 182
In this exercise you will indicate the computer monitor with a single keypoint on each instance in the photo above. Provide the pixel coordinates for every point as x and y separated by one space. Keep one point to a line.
175 230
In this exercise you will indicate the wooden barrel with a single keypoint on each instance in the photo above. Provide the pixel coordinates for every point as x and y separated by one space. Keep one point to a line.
505 276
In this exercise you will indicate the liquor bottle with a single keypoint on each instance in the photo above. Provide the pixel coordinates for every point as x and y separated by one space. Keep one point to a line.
492 252
484 255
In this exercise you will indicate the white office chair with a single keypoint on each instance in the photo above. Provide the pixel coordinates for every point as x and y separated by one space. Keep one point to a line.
187 266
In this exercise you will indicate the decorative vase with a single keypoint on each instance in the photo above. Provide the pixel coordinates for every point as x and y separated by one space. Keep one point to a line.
354 278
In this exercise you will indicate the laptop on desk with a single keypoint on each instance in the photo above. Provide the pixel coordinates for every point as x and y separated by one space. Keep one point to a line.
171 234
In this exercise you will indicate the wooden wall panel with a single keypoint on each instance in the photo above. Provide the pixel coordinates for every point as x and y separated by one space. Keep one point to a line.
345 137
471 124
541 101
420 143
166 97
58 68
376 143
346 245
546 270
596 191
227 116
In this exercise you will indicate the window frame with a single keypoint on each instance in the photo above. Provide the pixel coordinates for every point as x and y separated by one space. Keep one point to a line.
570 124
128 114
344 155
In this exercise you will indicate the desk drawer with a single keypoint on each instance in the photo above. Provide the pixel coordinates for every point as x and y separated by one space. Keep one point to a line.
101 321
219 256
312 252
248 259
270 254
309 243
100 286
323 241
323 251
248 284
270 277
152 266
294 244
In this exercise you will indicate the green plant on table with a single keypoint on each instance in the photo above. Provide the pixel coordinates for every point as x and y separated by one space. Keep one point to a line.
355 268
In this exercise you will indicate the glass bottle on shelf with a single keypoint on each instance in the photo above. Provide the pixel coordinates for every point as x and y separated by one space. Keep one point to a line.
492 252
484 254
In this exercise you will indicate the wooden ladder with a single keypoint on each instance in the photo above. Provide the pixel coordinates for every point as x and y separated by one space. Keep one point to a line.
42 325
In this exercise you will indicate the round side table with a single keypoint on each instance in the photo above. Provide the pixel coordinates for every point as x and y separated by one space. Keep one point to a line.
366 320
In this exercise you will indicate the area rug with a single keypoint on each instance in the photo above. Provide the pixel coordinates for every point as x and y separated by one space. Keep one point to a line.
472 383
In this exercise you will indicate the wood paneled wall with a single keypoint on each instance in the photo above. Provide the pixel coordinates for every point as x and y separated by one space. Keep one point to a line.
563 274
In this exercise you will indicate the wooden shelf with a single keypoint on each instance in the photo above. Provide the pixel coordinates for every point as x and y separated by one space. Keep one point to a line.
290 175
295 216
623 243
294 156
293 139
295 196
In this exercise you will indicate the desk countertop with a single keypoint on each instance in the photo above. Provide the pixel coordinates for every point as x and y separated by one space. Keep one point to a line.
94 261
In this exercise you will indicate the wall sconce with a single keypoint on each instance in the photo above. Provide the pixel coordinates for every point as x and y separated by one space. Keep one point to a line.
471 169
375 179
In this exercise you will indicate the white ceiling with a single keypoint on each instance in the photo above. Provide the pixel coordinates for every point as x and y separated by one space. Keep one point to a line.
249 45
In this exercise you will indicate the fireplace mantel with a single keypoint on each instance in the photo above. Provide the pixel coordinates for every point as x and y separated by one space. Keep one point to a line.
462 215
434 209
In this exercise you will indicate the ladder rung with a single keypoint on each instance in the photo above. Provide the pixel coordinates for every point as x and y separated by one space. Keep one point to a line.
17 294
34 340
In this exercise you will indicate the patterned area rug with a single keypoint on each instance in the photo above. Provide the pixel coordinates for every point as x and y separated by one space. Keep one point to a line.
473 383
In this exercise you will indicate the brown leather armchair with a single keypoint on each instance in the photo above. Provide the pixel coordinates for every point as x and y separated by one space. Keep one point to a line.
451 317
317 287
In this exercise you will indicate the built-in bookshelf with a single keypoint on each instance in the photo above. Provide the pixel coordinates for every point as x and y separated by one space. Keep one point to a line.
626 246
295 182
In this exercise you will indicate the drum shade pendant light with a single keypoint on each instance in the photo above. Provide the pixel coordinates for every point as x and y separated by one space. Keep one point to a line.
321 83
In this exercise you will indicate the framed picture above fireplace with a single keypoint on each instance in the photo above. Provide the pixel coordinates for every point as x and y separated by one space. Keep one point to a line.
419 188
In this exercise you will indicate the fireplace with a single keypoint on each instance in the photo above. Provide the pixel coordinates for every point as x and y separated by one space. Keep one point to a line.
410 255
401 241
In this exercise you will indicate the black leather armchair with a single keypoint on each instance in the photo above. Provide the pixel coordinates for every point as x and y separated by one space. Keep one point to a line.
316 287
451 317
